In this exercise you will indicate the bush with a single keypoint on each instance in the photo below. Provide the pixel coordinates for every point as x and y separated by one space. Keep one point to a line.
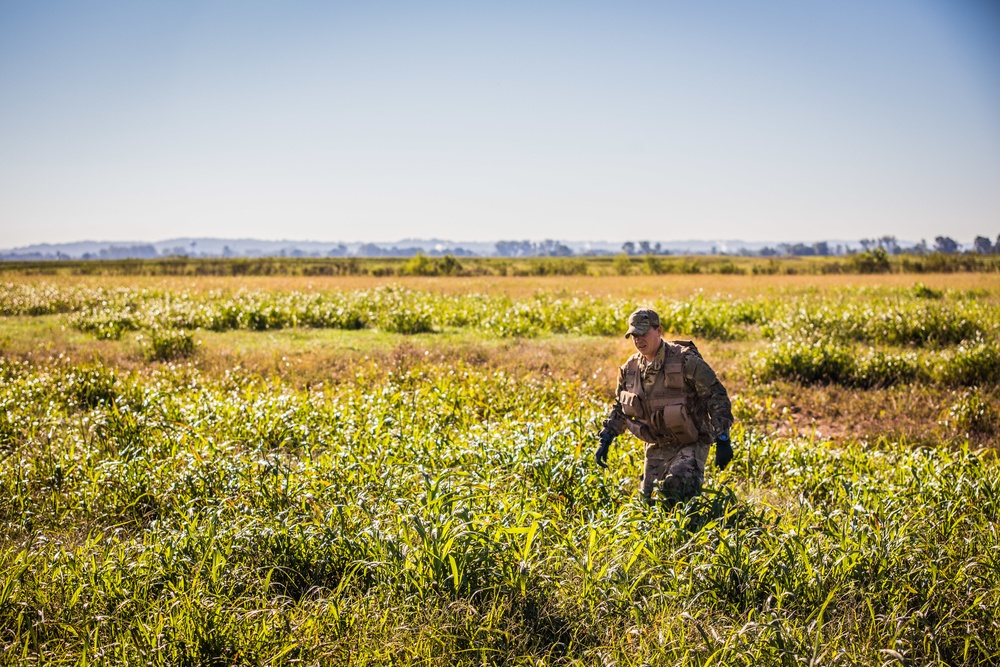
871 261
922 291
805 362
89 386
622 264
970 365
881 369
971 414
422 265
167 344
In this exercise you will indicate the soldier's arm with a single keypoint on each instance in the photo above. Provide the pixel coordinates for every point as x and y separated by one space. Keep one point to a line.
706 384
615 420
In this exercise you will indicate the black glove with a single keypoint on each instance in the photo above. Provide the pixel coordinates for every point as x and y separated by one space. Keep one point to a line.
601 455
723 451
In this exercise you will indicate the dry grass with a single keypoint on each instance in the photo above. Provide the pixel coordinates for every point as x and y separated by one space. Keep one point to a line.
631 287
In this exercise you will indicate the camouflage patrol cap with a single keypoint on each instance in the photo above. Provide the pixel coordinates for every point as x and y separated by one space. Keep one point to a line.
641 321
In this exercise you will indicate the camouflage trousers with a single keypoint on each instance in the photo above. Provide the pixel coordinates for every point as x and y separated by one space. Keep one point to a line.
673 473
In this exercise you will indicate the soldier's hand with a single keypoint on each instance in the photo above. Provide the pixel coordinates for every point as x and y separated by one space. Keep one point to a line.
723 451
601 454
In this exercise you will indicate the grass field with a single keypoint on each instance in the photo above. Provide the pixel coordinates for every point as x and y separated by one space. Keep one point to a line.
376 470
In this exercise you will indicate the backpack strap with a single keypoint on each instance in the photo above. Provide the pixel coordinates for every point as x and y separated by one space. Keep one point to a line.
689 346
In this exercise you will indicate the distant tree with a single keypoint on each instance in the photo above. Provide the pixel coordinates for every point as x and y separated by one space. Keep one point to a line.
552 248
645 248
371 250
889 244
982 245
128 252
802 250
657 249
996 246
867 243
514 248
628 248
945 244
768 251
821 248
796 249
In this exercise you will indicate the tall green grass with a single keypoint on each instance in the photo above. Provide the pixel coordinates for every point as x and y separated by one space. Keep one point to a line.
450 515
973 363
900 317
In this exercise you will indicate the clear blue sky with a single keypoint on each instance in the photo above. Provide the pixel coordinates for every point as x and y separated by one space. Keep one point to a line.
772 120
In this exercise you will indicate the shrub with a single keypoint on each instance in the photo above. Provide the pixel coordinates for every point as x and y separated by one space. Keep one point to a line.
922 291
421 265
881 369
729 268
167 344
970 365
805 362
871 261
972 414
89 386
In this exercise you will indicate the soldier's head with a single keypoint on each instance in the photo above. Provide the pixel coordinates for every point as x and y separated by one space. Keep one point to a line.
645 331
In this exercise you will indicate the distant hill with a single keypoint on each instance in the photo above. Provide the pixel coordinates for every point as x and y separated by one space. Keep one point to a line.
216 247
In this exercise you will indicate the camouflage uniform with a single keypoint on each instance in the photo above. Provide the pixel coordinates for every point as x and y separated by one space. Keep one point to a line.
675 452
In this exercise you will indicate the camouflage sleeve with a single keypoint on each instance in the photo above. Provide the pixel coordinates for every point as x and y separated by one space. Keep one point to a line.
711 392
616 418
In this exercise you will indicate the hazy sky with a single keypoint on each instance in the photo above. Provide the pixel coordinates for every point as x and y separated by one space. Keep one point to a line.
771 120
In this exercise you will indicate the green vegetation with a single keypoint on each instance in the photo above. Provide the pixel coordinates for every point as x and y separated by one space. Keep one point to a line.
448 515
418 508
894 317
973 364
874 261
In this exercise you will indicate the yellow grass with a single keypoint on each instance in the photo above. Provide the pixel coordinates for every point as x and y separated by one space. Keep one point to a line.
631 287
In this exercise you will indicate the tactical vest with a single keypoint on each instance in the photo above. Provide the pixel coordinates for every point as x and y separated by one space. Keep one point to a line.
661 417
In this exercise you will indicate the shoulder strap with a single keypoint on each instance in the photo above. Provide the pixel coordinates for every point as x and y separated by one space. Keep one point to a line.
689 346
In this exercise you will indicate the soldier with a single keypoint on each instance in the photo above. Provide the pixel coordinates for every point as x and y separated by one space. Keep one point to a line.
671 399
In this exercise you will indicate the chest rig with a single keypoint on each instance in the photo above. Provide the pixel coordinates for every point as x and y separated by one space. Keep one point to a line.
659 415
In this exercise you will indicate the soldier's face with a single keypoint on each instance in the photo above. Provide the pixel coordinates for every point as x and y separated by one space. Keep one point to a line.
649 342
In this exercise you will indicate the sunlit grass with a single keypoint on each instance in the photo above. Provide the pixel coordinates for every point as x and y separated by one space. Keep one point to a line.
303 494
451 515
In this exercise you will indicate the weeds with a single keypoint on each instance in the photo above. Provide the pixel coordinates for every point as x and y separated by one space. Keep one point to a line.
905 317
439 513
167 344
449 515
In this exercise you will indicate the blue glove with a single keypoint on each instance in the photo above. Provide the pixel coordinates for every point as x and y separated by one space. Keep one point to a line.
601 455
723 451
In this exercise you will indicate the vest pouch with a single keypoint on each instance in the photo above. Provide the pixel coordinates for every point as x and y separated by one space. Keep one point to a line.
630 404
673 372
680 424
640 431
